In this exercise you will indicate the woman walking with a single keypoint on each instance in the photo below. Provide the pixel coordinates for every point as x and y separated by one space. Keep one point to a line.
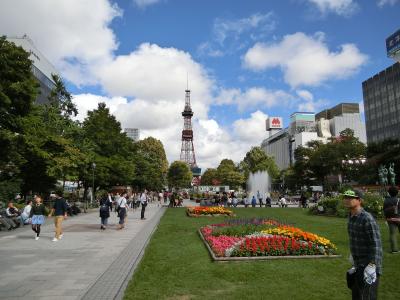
105 208
37 214
122 210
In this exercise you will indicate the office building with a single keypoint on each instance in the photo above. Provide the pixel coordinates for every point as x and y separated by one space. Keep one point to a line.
331 122
132 133
41 67
381 95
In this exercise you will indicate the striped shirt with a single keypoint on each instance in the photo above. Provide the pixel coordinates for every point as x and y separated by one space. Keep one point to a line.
365 240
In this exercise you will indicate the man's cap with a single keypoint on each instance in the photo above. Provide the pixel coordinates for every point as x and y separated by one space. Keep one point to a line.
352 194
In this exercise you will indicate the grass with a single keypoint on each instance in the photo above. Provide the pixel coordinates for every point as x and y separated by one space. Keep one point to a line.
177 265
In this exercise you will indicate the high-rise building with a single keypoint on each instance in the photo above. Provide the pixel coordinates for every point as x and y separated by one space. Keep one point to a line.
331 122
381 95
132 133
41 67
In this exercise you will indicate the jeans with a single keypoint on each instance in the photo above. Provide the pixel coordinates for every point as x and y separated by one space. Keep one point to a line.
58 223
142 212
361 290
104 221
393 230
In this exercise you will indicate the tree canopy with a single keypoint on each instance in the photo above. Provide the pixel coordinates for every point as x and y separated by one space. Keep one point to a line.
179 175
257 160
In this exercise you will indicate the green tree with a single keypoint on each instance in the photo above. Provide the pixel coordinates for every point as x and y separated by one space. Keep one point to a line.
18 91
210 177
229 174
109 148
257 160
151 164
179 175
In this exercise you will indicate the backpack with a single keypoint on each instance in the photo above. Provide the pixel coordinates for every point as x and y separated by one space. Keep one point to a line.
104 207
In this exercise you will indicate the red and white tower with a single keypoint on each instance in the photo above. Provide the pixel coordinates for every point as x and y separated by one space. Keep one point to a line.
187 149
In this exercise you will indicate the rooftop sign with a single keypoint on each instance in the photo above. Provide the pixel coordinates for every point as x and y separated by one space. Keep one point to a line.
274 123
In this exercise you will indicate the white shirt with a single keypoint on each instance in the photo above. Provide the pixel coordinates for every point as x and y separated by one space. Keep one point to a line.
27 211
143 198
122 202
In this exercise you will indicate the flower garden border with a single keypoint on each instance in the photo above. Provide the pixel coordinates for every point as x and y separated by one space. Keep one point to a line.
250 258
210 215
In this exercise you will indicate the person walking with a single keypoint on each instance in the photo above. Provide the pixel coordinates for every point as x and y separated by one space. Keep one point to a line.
259 197
160 198
105 208
25 219
122 206
391 210
143 202
59 211
365 248
37 214
303 200
253 201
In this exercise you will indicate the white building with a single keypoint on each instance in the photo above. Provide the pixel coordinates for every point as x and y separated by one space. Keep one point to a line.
132 133
306 126
41 68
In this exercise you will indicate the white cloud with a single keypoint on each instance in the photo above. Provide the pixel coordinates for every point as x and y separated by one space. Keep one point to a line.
382 3
70 33
253 97
153 73
251 130
340 7
305 60
86 102
304 94
308 103
225 28
231 35
144 3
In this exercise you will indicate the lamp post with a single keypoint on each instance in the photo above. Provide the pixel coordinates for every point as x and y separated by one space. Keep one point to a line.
93 168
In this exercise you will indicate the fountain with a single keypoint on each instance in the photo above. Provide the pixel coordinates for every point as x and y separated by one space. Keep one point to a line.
259 181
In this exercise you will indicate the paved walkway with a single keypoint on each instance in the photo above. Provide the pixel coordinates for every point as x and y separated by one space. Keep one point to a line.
86 264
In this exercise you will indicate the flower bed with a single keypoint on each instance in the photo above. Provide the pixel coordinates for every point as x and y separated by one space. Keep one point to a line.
263 239
200 211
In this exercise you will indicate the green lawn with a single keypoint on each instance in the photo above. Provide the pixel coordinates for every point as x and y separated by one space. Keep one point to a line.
177 265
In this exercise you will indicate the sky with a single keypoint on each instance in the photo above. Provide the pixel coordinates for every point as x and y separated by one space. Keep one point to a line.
243 61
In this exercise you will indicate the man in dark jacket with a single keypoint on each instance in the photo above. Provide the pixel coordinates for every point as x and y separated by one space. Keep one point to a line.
365 248
391 210
60 213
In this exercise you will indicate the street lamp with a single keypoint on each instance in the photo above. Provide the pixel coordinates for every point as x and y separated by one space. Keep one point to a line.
93 168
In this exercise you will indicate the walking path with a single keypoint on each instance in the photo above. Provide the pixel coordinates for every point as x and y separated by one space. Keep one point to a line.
86 264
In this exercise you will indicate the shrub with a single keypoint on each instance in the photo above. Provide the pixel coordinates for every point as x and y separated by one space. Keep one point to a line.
373 203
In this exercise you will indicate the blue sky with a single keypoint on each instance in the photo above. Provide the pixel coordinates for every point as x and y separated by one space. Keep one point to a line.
246 60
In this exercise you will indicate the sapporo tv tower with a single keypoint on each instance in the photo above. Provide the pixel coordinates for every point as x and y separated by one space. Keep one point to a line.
187 149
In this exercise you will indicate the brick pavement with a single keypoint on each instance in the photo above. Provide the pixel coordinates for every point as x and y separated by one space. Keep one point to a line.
86 264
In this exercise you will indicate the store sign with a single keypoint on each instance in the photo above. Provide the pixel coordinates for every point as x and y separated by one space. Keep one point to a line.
274 123
393 43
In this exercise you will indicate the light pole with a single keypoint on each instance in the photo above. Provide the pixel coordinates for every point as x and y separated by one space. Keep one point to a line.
93 168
